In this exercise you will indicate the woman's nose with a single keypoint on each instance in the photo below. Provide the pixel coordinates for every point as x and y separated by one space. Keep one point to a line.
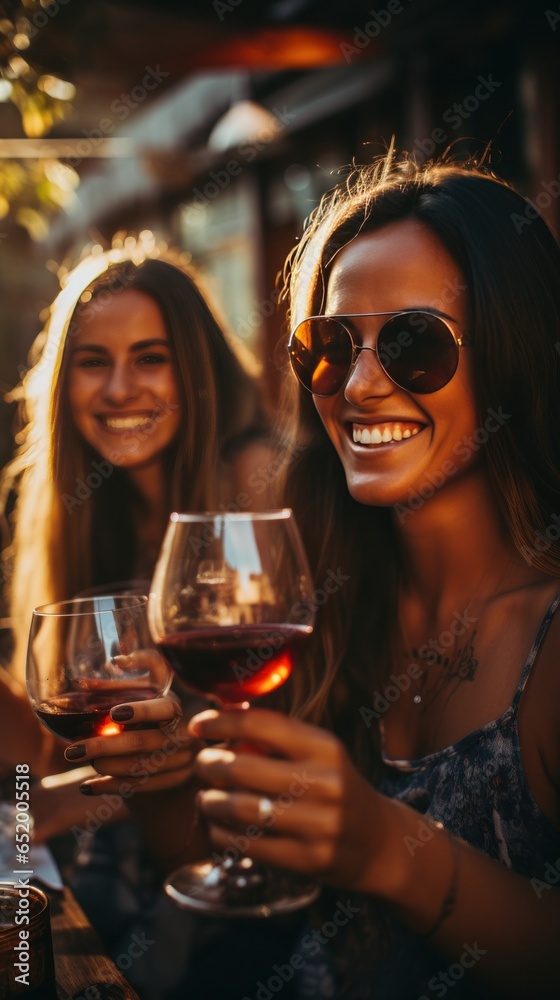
367 378
119 384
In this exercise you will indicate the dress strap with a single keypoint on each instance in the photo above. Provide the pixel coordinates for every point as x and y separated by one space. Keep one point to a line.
539 639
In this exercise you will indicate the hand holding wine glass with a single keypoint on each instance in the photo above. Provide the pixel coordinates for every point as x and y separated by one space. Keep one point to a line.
229 607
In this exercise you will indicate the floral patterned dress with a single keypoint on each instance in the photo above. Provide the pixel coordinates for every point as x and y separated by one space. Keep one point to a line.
479 790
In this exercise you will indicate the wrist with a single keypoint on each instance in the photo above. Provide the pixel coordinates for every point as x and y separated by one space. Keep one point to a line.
387 874
424 861
415 870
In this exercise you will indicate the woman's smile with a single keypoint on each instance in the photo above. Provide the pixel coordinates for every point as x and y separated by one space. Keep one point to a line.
380 434
117 423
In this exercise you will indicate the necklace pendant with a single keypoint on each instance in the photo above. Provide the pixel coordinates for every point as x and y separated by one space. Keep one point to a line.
417 699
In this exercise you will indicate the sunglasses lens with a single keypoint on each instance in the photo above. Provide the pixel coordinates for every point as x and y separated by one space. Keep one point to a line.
321 355
418 351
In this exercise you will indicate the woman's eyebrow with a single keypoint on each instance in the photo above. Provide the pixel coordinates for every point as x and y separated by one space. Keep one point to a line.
140 345
396 312
90 348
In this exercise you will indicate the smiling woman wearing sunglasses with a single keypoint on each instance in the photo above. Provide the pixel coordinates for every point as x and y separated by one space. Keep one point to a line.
425 338
426 712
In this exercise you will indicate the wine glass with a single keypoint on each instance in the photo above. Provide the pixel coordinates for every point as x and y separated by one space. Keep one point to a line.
87 655
230 605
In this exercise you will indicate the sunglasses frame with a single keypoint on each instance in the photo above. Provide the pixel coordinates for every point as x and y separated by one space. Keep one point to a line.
356 348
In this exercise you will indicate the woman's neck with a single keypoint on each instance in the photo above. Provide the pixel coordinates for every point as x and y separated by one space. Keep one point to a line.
456 545
149 482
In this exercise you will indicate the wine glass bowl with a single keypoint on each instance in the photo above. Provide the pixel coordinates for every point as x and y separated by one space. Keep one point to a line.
230 606
230 602
87 655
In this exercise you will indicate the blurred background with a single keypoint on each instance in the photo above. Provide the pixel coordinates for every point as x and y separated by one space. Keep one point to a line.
216 126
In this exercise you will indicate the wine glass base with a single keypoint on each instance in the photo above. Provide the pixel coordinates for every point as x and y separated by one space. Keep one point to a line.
239 889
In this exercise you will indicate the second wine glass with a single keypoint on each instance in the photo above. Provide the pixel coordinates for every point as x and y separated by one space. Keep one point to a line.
230 605
87 655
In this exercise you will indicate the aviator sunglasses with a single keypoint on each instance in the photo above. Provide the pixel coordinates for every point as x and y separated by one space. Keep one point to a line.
416 349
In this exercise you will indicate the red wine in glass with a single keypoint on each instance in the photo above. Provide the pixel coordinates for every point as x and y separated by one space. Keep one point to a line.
235 664
230 606
79 715
86 656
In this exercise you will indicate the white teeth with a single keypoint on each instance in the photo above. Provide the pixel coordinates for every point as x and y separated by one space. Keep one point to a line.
126 423
373 435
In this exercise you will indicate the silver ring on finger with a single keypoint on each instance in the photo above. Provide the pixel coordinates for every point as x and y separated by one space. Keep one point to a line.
265 809
169 727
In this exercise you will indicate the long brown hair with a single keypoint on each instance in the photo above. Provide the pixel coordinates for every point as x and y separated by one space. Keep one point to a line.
511 265
69 533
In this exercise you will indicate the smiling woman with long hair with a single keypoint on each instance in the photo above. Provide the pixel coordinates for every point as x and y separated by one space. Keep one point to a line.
425 312
137 404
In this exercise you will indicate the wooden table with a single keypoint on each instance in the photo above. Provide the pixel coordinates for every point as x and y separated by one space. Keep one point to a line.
79 958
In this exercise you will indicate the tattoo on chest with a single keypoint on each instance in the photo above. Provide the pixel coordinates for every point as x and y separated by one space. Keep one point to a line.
443 671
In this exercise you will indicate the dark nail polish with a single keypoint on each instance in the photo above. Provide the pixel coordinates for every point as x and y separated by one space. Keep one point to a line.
86 790
122 714
74 753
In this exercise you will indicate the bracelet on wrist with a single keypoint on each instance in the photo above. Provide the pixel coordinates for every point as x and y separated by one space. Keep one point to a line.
450 898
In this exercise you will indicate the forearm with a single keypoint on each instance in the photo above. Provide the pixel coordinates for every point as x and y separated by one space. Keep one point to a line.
59 807
24 740
511 929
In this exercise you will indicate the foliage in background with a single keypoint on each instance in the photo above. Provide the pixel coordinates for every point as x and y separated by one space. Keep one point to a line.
30 190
